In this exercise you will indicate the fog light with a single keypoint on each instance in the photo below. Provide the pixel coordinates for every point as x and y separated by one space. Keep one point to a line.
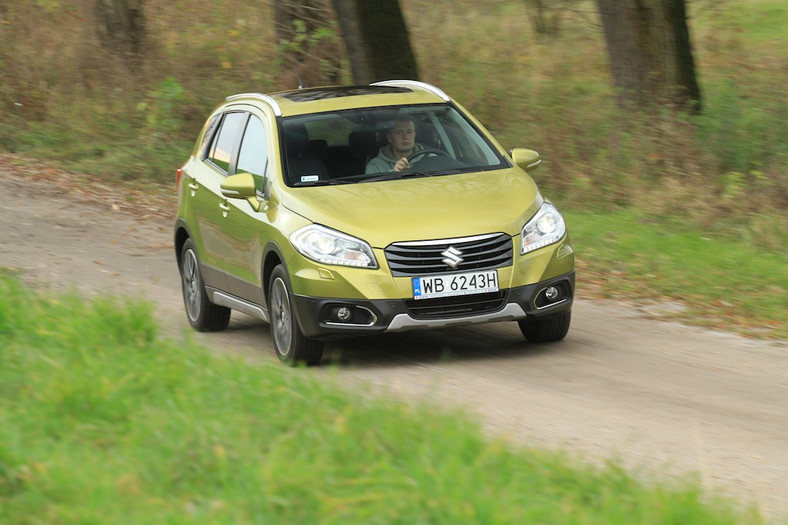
552 293
343 313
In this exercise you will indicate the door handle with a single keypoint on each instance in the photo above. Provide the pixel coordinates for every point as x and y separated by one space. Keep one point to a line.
194 187
225 208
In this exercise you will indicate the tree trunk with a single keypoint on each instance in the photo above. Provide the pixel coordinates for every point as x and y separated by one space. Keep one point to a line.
650 52
545 18
377 40
121 25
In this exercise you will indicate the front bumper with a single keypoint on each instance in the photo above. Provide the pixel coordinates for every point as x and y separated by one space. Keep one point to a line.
324 318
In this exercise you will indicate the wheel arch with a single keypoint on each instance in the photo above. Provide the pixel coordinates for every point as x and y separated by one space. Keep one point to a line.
182 234
272 257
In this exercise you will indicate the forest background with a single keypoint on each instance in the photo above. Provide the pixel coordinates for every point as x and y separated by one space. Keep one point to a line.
73 94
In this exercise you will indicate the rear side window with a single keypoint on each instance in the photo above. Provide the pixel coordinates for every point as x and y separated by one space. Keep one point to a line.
222 149
209 132
253 157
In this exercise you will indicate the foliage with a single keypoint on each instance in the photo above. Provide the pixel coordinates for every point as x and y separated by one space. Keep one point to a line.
161 109
101 421
308 46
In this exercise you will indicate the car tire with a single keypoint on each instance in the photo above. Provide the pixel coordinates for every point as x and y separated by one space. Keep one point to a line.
546 330
291 345
202 314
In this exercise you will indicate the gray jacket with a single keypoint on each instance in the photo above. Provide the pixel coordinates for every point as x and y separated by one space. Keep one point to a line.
384 161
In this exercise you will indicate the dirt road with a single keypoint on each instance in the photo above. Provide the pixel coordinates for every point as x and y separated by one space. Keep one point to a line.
663 398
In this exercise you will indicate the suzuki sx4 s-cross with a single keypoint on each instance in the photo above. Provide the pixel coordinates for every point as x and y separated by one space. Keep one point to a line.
297 208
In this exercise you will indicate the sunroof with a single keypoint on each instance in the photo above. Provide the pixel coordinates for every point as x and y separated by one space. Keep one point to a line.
305 95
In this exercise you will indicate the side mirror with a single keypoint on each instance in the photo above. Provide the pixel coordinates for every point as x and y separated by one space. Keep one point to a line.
527 159
241 186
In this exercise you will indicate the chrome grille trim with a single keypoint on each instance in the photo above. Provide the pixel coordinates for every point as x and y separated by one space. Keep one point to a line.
457 240
480 252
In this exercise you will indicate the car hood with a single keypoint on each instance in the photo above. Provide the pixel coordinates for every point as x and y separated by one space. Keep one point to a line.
424 208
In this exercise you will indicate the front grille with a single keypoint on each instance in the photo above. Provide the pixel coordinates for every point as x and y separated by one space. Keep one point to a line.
425 257
447 307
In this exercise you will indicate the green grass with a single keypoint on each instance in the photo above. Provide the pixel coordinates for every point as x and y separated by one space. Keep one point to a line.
102 421
725 281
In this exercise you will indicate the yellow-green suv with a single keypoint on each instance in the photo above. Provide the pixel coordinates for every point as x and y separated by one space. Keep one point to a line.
346 211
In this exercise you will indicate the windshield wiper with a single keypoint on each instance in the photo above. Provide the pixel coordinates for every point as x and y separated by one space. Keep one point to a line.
396 175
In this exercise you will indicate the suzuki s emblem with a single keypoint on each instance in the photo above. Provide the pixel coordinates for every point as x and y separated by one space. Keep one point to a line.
453 256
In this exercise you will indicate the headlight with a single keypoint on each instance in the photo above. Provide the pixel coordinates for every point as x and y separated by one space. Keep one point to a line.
544 228
329 246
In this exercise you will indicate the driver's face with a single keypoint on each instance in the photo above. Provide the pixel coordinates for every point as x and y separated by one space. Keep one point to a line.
402 137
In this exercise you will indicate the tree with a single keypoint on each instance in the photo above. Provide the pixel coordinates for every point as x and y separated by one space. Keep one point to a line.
122 26
650 51
376 38
546 15
308 48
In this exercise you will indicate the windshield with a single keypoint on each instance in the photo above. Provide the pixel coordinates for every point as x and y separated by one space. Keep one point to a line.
365 145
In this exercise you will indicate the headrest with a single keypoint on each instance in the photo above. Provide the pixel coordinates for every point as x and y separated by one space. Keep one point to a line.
317 147
295 142
363 143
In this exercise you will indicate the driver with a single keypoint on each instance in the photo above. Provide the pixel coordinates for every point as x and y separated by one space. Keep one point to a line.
402 143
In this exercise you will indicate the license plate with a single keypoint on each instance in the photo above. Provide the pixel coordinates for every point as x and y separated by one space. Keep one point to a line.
457 284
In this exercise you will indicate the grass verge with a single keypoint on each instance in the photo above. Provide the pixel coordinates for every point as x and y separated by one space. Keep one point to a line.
102 421
723 282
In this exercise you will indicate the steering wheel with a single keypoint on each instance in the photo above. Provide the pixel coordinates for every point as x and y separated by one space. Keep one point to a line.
426 151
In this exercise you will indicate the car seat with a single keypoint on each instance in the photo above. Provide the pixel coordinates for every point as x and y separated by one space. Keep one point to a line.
303 157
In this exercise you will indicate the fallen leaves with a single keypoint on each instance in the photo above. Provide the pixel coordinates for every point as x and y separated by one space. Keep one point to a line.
143 201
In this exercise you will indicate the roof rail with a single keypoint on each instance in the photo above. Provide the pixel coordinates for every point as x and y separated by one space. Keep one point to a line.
414 84
260 96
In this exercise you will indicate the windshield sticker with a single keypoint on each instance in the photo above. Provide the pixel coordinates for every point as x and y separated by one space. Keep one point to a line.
310 178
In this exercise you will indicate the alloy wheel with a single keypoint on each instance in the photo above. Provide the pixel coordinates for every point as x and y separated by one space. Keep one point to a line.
190 278
281 316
